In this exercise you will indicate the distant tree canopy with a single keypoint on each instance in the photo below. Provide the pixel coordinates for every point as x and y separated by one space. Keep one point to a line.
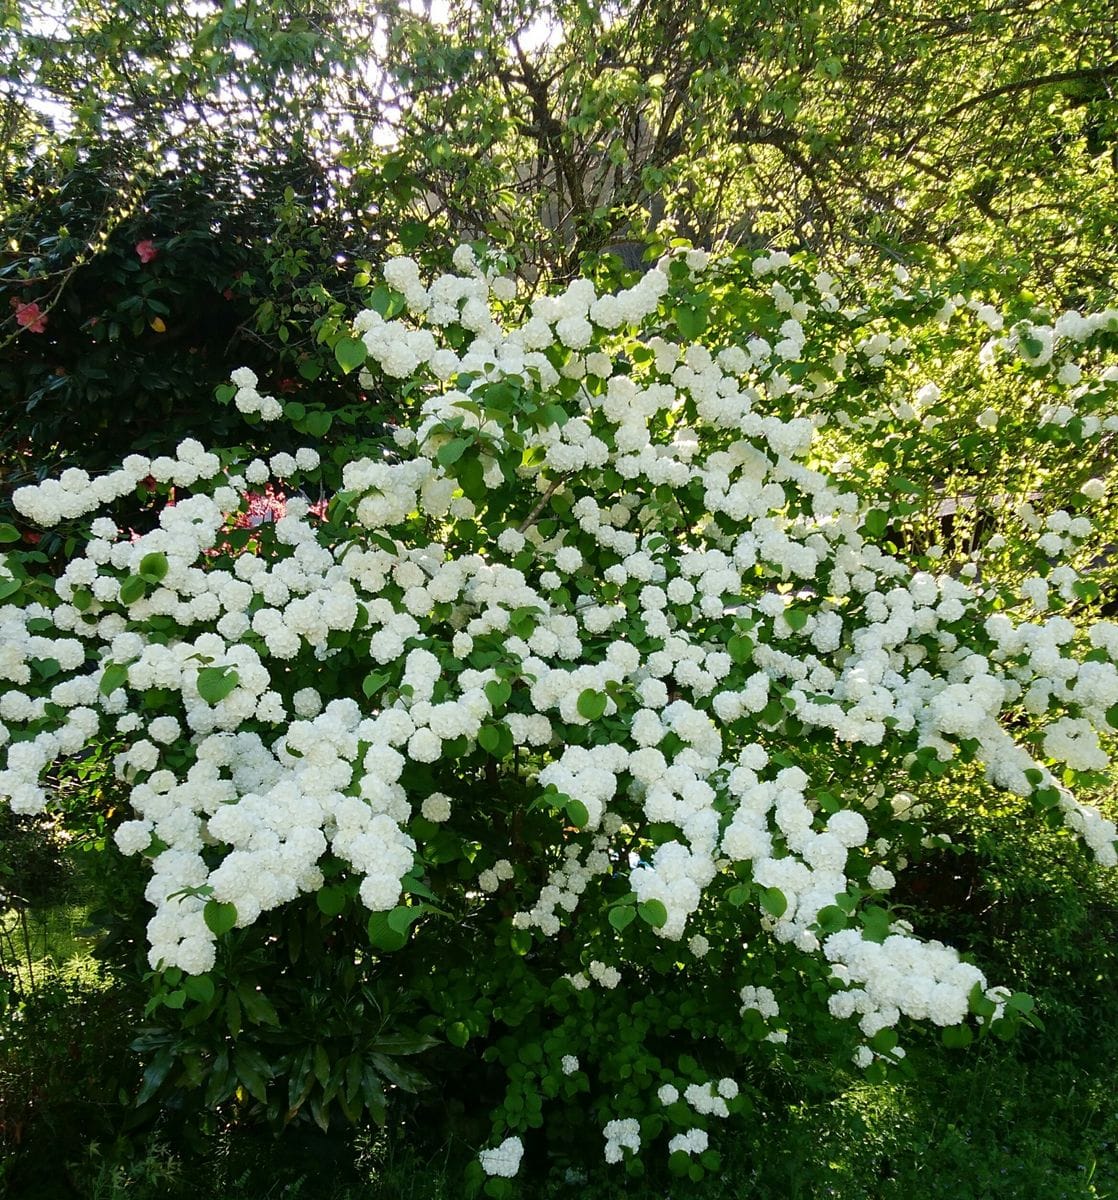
273 154
984 131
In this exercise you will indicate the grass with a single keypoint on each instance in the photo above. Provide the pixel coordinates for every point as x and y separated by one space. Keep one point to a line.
34 936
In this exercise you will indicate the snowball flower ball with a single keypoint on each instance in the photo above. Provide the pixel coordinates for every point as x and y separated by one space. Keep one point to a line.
503 1160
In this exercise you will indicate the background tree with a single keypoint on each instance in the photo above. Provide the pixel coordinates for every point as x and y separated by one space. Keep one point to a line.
975 132
984 139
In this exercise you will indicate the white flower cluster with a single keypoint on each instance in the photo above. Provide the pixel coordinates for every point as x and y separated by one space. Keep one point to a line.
694 1141
709 1099
926 981
566 883
763 1000
641 653
75 493
621 1135
249 400
864 1055
503 1160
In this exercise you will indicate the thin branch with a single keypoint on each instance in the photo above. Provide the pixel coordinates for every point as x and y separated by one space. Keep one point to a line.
530 519
1023 85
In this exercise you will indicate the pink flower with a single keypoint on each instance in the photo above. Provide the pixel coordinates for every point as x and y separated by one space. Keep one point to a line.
30 316
146 250
263 507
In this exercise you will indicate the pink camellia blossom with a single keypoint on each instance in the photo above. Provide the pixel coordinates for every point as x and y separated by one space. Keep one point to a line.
268 506
263 507
146 250
30 316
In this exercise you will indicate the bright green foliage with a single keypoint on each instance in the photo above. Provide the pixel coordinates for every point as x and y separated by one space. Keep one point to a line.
334 133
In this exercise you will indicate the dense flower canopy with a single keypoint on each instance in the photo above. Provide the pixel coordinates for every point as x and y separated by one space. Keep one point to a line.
611 559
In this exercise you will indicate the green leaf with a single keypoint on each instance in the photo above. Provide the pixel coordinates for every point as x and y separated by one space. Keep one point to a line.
154 1075
884 1040
350 353
471 479
331 900
591 704
489 738
774 902
374 682
621 917
132 589
957 1037
153 567
413 886
577 812
498 691
321 1064
8 533
412 234
115 676
199 988
1046 797
373 1094
249 1074
457 1033
46 668
380 300
317 424
219 917
653 913
258 1008
898 483
980 1004
450 452
551 414
831 919
875 924
875 522
215 683
679 1162
404 1043
711 1160
403 916
740 648
690 319
796 618
382 935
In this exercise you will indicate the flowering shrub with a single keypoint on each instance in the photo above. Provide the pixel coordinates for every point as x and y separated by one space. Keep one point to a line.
602 693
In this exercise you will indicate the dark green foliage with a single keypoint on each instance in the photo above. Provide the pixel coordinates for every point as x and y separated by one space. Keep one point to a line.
1029 1118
